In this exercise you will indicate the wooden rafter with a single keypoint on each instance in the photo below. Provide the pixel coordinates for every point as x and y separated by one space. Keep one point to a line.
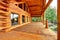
49 2
46 6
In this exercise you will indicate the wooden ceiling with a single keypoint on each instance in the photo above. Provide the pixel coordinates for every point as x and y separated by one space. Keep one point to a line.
36 7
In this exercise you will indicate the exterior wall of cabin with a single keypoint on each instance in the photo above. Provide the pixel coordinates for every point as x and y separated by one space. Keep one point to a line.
15 9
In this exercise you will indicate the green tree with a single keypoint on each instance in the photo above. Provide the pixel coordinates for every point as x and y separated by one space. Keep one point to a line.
50 14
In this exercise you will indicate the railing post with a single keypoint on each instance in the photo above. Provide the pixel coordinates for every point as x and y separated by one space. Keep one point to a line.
46 24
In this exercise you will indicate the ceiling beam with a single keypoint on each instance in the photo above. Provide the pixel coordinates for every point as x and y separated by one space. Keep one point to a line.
46 6
35 11
35 15
34 5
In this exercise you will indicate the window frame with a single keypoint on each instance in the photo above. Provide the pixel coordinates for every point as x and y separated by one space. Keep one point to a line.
17 19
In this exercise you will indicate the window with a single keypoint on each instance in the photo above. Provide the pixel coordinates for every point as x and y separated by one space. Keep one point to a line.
25 7
14 19
16 4
23 19
20 6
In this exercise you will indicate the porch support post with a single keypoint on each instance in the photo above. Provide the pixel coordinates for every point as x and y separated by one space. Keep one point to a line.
30 19
43 19
46 24
40 18
58 13
20 18
25 19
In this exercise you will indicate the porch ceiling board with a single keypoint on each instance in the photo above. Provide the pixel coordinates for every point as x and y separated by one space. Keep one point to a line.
35 12
34 5
33 2
35 15
35 8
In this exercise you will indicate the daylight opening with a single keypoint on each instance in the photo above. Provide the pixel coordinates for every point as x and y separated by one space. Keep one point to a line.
14 19
51 15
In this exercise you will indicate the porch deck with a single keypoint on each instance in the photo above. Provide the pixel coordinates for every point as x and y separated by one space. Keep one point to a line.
32 31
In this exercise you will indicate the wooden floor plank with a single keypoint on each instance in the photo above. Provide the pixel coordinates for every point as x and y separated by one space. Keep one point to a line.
32 31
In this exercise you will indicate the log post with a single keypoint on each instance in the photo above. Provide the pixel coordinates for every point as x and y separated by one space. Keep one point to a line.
58 13
43 19
46 24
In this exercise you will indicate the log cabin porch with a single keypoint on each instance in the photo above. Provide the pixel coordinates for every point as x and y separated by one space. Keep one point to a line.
24 28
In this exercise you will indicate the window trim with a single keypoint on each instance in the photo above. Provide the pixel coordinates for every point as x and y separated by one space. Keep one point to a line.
17 19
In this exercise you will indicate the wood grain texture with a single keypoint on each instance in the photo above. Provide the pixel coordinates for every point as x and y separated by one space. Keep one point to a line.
58 12
5 13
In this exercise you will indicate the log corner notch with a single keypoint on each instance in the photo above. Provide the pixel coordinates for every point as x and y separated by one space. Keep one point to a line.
46 6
